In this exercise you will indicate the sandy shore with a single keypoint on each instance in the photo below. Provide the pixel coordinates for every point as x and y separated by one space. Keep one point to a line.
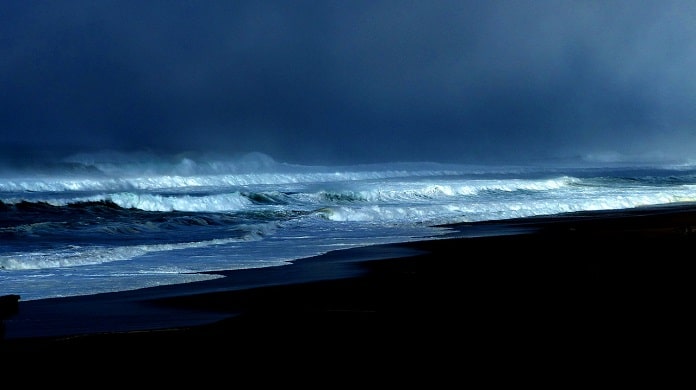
607 285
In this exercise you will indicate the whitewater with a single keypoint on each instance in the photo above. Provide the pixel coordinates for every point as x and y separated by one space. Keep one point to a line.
96 223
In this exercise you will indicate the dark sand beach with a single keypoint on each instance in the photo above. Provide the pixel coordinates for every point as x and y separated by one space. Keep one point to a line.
582 292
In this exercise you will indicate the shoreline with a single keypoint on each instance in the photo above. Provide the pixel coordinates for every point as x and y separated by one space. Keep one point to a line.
557 285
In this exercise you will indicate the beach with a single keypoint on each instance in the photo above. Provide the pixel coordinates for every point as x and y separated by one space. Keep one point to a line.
589 287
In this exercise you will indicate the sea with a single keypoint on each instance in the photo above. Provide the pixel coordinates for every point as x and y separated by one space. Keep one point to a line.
106 222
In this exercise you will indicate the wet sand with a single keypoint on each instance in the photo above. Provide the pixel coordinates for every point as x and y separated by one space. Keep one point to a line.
566 293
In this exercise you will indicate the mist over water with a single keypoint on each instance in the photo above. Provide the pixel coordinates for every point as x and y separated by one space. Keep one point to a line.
142 143
343 83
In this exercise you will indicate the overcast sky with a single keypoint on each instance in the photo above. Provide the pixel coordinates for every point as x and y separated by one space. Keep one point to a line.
351 81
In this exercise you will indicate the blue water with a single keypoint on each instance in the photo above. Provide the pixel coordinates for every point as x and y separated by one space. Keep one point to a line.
105 222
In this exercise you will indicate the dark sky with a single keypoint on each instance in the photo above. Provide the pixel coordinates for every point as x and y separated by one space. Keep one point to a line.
350 81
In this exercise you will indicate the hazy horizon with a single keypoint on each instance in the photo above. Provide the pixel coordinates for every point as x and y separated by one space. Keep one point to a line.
330 82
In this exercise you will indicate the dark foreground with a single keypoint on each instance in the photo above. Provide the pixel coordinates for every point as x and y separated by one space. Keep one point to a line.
579 294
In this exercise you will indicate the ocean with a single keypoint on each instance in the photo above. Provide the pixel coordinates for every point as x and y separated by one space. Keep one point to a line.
107 222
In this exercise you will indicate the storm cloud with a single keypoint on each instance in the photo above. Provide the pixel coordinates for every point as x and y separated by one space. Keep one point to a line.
351 81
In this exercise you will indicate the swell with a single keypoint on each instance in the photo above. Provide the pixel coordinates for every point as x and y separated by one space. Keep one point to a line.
97 221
